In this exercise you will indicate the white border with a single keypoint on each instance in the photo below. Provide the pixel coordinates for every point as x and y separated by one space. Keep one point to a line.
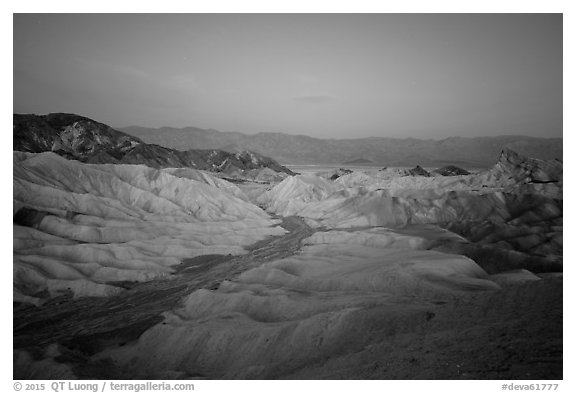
306 6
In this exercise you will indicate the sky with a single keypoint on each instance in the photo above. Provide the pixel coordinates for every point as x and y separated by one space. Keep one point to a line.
324 75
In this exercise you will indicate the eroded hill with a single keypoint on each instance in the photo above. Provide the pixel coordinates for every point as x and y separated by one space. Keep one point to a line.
125 271
77 137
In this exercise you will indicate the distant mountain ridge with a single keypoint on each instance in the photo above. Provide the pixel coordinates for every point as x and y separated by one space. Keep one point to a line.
358 161
83 139
300 149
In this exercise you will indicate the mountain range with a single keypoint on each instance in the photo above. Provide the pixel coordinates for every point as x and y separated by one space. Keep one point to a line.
80 138
299 149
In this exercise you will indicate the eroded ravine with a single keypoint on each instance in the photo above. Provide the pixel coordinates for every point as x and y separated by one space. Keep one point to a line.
514 333
86 326
369 296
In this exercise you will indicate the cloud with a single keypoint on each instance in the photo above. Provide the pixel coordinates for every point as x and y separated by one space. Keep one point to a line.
316 98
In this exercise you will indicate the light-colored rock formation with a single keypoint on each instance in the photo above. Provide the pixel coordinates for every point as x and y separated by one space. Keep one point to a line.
336 296
83 227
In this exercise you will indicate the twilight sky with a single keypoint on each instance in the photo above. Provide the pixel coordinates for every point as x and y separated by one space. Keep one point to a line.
323 75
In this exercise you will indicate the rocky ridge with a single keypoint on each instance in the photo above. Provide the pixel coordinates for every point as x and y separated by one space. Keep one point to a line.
83 139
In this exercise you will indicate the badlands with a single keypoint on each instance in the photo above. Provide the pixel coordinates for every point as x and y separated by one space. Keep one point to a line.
131 272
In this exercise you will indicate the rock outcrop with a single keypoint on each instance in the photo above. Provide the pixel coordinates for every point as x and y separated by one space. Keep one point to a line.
418 171
529 170
451 170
